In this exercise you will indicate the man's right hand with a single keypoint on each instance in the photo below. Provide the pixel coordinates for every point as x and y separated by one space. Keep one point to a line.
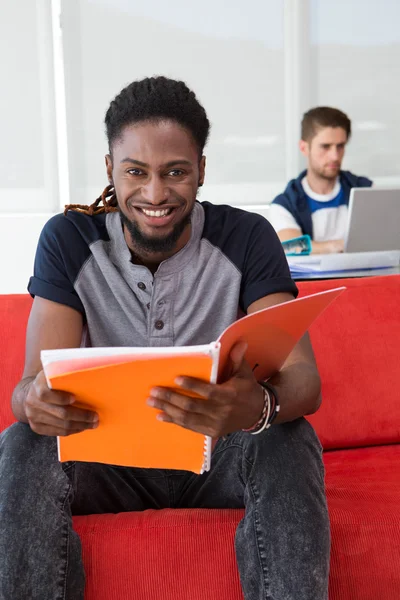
51 412
336 246
329 247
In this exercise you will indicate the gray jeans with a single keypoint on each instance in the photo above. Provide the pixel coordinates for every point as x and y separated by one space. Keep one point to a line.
282 542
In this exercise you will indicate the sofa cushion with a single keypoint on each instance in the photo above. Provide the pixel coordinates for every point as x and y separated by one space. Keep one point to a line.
185 554
14 312
363 489
357 346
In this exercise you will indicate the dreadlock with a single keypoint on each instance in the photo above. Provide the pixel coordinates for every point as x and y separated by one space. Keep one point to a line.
94 209
152 99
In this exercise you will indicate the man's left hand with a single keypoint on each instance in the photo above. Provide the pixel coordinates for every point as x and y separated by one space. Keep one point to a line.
221 409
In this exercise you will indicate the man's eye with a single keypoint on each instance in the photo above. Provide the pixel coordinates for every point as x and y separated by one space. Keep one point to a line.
135 172
175 172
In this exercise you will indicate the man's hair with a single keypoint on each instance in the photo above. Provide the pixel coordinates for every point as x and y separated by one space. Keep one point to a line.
323 116
150 100
157 99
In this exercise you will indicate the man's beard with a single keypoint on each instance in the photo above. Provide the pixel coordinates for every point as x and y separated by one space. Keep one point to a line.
326 175
155 245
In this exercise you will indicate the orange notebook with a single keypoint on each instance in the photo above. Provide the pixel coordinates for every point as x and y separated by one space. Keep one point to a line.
115 382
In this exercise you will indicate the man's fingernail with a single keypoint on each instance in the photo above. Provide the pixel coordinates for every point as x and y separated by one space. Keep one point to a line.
179 381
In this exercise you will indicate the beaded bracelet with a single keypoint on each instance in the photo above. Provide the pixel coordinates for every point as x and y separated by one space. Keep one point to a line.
270 409
272 390
265 412
266 423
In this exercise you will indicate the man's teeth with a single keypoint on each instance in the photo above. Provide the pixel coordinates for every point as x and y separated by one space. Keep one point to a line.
157 213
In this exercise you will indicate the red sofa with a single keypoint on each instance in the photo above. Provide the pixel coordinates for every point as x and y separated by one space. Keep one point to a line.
189 554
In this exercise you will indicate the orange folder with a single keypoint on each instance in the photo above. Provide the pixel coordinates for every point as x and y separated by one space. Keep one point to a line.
115 382
272 333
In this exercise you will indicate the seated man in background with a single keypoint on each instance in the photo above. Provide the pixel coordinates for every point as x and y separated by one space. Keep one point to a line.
316 203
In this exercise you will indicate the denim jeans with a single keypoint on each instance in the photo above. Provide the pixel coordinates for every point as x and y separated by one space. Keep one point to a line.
282 543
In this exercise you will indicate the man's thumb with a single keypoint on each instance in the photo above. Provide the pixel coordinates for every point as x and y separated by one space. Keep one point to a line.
237 355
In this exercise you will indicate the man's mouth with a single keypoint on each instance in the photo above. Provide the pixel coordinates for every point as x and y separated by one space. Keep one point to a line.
164 212
157 216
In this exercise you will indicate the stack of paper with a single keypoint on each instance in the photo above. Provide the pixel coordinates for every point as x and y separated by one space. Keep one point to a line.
354 261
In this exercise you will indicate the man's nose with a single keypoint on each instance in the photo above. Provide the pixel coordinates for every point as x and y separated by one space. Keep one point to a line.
154 191
334 154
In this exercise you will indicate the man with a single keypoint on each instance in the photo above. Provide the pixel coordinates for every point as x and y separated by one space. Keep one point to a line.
316 203
151 266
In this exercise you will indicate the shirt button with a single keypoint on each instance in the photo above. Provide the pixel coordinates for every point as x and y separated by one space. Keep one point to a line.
141 285
159 325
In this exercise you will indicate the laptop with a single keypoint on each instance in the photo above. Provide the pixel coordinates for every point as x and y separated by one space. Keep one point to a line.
374 220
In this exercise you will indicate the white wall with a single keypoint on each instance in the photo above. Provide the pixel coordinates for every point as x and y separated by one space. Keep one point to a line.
18 239
233 59
28 151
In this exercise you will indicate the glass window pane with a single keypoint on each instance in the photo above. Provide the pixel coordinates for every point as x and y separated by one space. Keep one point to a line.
28 165
231 56
357 69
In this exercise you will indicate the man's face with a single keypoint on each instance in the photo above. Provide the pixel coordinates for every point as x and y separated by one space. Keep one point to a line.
156 170
325 152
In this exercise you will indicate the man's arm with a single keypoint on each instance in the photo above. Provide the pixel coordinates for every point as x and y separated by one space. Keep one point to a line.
50 325
288 234
238 402
287 228
297 383
328 247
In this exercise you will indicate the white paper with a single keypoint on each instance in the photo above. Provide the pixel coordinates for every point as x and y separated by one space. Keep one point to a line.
351 261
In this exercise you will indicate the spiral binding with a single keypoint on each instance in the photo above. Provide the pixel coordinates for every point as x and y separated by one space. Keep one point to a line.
207 454
213 350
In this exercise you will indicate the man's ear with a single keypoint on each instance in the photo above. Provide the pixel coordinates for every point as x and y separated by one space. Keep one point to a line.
202 170
304 148
109 168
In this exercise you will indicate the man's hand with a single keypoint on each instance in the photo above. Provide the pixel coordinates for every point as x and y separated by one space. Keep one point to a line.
221 409
336 246
49 412
329 247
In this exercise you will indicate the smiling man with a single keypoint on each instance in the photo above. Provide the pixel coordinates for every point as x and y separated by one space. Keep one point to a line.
316 203
148 265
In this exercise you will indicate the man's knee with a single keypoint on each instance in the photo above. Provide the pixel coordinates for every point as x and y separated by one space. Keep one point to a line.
22 450
30 475
293 446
